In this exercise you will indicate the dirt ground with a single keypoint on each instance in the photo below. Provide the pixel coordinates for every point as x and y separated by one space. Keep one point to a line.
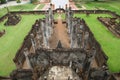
60 33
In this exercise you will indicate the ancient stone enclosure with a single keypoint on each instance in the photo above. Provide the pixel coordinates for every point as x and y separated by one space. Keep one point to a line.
111 24
70 54
13 19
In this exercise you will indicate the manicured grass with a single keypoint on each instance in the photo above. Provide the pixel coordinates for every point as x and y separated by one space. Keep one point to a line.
109 5
113 5
12 40
3 11
24 7
109 43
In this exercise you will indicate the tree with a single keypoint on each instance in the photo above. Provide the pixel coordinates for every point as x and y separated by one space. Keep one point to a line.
33 1
2 1
95 0
18 1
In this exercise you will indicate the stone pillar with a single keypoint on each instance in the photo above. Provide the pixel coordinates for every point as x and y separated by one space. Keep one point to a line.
68 21
81 35
45 40
45 78
70 64
44 33
66 15
71 34
51 18
71 17
26 53
86 39
66 6
77 70
51 5
46 25
33 42
38 39
80 39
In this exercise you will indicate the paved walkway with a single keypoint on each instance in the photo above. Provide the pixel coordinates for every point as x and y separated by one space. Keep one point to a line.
13 3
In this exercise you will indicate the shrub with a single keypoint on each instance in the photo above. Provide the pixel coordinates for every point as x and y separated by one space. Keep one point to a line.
18 1
33 1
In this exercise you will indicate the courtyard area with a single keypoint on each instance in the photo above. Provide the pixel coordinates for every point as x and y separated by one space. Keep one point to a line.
14 36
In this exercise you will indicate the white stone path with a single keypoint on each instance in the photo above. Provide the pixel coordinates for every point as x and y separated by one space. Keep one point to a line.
36 8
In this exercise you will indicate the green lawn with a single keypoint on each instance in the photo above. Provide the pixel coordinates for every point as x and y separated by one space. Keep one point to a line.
12 40
109 43
3 11
113 5
24 7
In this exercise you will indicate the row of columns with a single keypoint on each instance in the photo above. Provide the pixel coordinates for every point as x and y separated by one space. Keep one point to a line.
47 27
69 17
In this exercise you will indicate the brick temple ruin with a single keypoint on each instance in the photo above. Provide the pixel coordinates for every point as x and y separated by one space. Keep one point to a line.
13 19
61 50
112 24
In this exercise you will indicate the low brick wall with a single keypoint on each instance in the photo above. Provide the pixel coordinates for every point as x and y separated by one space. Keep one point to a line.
21 74
97 12
75 11
5 78
28 12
